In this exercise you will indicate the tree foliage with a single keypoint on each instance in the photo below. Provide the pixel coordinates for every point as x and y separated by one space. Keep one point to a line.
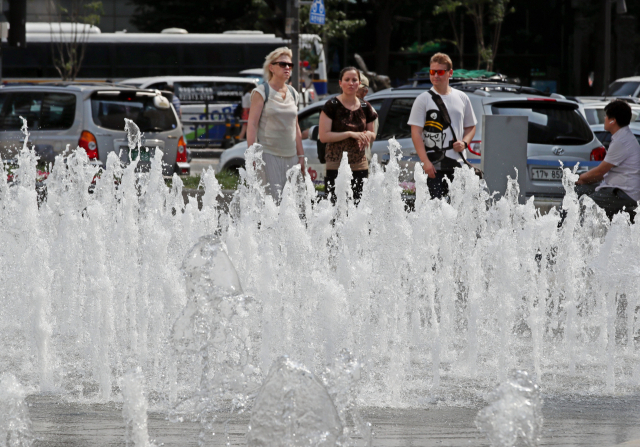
196 16
337 25
449 7
68 49
481 12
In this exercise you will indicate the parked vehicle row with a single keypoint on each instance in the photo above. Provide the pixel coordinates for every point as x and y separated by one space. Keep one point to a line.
557 130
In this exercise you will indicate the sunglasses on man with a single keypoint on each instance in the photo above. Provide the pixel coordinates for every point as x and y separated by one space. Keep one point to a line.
283 64
438 72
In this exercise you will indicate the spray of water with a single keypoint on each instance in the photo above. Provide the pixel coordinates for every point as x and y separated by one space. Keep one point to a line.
514 412
293 408
438 304
134 409
15 423
214 337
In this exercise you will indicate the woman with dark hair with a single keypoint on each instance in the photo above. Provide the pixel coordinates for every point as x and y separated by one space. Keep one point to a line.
346 125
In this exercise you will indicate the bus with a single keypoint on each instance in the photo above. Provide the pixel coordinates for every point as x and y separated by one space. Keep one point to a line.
121 55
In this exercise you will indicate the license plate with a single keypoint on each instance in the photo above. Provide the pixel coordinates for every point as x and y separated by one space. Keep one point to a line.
144 156
553 174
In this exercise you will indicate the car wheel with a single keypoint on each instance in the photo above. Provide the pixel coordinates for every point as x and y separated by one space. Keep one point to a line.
234 164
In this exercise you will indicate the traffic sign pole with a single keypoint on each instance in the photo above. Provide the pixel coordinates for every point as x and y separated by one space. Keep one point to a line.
293 9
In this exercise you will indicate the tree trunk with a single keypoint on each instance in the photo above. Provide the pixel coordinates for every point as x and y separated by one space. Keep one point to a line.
496 39
384 10
383 44
477 12
456 35
461 46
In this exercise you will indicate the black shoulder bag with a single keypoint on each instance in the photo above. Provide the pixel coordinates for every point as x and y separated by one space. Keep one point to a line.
447 119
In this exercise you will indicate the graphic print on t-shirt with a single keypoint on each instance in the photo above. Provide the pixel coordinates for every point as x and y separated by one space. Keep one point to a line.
433 133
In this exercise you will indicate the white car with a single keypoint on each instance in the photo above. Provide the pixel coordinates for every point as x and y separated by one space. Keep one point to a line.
593 110
233 158
257 74
625 87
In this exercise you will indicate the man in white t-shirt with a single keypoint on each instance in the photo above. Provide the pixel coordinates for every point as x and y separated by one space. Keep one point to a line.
431 134
619 172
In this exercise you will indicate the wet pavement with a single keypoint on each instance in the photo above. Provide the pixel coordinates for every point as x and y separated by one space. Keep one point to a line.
583 421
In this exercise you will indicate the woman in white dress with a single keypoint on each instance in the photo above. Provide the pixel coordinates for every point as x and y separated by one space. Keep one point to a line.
273 121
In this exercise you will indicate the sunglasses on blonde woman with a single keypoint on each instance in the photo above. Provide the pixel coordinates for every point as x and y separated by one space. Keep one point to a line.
283 64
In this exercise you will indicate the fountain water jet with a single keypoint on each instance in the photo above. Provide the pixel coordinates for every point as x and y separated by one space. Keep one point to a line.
293 408
134 409
438 303
515 412
15 423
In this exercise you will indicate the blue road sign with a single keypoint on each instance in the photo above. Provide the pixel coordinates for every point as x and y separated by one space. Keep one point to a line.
317 13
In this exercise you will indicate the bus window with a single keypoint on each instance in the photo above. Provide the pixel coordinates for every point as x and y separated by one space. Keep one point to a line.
226 58
146 59
97 61
158 86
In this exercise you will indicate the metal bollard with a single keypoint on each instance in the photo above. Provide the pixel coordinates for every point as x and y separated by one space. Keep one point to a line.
236 130
227 141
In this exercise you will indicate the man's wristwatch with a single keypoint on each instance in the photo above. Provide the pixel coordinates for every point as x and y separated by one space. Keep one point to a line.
466 145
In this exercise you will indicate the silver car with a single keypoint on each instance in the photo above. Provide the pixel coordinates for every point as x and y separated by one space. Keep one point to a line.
91 117
557 130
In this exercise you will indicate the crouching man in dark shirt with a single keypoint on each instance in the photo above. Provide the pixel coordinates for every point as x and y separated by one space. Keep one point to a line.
618 174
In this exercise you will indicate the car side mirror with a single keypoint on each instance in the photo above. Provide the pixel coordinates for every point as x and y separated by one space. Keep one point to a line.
314 131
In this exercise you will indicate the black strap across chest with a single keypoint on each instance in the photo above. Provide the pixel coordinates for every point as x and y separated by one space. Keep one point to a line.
447 119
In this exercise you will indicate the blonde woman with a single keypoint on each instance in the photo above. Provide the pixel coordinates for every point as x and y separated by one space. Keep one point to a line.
273 121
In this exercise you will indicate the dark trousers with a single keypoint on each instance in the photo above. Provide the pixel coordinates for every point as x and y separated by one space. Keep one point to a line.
611 200
356 184
438 186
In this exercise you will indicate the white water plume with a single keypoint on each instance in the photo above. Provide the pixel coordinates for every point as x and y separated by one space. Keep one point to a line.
134 409
438 304
15 423
514 412
293 408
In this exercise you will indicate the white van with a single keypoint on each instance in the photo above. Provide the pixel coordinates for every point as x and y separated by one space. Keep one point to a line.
624 87
201 98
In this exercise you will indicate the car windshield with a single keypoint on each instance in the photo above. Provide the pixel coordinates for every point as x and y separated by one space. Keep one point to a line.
109 109
622 88
549 123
